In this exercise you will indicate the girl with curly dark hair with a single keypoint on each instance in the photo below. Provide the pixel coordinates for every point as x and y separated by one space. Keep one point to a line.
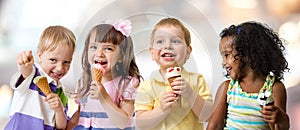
254 97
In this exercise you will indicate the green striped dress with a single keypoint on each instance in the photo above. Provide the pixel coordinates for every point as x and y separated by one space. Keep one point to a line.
243 110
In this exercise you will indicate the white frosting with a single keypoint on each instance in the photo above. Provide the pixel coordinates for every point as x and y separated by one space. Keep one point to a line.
269 98
173 71
98 66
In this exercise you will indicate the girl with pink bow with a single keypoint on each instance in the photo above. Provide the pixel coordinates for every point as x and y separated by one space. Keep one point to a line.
107 102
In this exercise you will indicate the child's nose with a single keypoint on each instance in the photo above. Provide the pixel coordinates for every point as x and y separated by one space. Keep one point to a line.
99 52
60 67
167 45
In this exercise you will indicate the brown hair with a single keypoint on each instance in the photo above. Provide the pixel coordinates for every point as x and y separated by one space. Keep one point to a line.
107 33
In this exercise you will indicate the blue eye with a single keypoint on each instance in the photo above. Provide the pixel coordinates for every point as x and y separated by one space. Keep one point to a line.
93 47
176 41
159 42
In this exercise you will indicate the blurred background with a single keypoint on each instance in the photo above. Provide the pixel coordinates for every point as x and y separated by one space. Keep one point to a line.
22 21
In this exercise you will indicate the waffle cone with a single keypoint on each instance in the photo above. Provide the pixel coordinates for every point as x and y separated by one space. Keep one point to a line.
97 74
171 79
43 85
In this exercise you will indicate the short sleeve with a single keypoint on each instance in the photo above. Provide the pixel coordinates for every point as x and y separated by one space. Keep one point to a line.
143 99
130 91
203 89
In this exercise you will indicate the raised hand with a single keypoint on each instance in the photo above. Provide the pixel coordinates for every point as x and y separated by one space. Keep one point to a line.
25 58
25 61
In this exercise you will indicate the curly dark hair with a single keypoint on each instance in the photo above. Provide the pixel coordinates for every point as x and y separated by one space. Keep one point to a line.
259 46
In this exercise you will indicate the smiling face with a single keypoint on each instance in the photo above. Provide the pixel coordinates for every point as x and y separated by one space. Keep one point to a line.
56 63
229 62
169 47
105 54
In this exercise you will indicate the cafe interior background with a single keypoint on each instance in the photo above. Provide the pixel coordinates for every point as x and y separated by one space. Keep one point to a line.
22 21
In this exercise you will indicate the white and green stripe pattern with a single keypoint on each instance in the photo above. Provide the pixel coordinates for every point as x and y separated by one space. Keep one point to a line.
243 110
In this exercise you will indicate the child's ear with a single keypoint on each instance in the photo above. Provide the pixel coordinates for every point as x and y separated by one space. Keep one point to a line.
151 52
39 53
189 51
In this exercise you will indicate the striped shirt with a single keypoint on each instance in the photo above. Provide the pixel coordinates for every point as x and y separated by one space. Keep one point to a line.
29 111
243 110
93 115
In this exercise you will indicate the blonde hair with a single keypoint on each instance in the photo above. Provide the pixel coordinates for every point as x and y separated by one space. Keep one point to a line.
54 36
175 23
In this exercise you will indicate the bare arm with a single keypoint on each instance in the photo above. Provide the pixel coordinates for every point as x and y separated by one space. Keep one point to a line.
119 115
74 120
148 119
276 114
201 107
217 119
56 105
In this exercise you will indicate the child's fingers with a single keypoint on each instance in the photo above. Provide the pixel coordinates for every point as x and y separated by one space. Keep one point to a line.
177 81
270 108
51 97
269 118
167 100
54 104
53 101
93 91
29 58
25 58
20 58
169 97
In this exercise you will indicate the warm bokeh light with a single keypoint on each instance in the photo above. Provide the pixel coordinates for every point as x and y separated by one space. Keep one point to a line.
22 22
5 98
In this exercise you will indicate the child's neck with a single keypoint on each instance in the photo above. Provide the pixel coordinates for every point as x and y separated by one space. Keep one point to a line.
106 78
252 82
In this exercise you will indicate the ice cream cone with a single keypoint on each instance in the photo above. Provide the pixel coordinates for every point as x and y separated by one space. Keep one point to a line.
97 72
264 99
42 84
172 73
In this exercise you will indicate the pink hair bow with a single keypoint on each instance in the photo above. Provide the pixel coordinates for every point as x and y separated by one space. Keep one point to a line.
124 27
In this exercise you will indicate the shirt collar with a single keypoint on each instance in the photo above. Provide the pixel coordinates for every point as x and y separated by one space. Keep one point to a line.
49 79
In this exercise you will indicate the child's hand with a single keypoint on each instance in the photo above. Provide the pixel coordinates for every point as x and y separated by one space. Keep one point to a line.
271 114
25 58
54 102
167 100
25 61
97 90
181 87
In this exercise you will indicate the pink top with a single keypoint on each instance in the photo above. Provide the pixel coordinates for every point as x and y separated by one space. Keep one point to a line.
93 115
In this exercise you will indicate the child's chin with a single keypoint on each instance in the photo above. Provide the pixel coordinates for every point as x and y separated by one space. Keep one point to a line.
56 78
